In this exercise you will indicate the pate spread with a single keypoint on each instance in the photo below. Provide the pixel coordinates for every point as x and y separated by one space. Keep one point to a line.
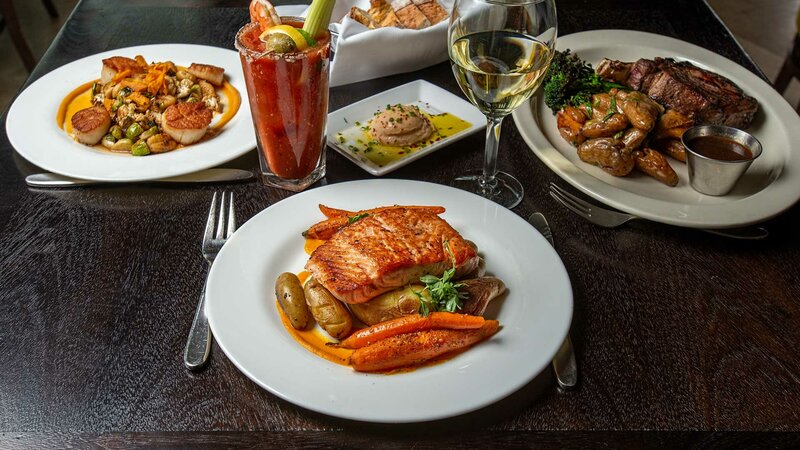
400 125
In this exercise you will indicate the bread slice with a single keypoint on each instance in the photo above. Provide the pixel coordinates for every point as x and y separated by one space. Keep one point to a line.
383 14
362 17
410 16
432 10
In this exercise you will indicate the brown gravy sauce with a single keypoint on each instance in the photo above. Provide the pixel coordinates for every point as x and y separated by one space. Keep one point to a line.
721 148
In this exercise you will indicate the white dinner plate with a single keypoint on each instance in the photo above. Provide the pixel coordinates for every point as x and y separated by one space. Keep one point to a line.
770 186
427 96
534 315
33 131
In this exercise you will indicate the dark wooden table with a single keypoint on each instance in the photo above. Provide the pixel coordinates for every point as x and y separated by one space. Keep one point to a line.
677 333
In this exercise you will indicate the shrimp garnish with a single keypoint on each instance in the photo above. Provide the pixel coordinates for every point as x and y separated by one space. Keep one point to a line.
264 13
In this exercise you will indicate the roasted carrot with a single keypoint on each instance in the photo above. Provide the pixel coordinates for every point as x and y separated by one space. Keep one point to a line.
327 228
330 213
410 324
339 218
416 348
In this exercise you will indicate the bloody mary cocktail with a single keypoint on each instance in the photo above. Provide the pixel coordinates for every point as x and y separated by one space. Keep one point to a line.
289 103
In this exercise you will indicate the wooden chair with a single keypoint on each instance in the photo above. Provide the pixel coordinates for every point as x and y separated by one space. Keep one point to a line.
9 20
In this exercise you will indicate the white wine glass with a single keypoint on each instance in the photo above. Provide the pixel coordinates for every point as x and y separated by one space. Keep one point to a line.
500 51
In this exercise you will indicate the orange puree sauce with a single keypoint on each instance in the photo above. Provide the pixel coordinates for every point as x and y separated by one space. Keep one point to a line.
313 341
311 245
81 98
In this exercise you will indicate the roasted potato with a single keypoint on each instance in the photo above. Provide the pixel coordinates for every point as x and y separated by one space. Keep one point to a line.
570 121
639 109
292 299
605 127
391 305
329 312
656 165
671 124
608 154
671 147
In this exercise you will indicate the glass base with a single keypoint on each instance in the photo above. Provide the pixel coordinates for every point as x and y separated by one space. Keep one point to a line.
504 189
271 180
268 178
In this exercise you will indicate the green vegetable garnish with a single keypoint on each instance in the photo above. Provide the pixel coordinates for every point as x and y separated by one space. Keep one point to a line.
311 41
318 18
356 218
140 149
612 109
571 81
133 131
443 291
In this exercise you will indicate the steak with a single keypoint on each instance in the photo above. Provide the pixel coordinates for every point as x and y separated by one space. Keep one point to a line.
387 250
704 96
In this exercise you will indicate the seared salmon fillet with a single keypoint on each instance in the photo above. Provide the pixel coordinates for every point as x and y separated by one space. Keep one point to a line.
387 250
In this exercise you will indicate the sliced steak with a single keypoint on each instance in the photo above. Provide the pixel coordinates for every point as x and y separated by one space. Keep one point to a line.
704 96
640 72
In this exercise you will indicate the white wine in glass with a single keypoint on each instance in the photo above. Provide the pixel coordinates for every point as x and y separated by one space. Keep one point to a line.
500 51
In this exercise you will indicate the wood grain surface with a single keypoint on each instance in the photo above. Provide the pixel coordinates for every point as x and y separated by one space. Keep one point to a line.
675 330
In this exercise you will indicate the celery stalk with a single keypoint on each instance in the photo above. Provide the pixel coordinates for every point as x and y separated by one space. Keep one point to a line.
319 16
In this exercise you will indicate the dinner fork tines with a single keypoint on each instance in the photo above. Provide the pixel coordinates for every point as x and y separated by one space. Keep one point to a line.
220 225
599 216
612 219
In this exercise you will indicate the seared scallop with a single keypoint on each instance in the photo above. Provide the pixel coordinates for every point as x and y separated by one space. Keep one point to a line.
212 74
91 124
116 64
186 122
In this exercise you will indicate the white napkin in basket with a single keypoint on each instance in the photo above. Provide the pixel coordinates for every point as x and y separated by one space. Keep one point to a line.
363 54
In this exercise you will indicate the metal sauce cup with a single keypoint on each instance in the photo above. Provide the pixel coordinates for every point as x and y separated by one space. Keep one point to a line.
717 176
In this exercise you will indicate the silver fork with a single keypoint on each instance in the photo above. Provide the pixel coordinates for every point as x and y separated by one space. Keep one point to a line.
612 219
219 227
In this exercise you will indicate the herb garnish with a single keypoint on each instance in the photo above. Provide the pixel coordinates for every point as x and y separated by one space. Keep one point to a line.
356 218
443 291
612 109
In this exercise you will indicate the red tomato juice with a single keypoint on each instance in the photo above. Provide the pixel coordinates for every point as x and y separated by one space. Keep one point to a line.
288 100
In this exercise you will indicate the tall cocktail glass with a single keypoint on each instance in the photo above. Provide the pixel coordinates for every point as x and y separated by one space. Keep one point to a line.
289 103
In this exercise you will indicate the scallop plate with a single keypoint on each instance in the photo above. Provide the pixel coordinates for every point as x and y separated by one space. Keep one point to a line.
34 134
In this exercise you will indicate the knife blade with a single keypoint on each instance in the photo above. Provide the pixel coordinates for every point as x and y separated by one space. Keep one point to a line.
53 180
564 365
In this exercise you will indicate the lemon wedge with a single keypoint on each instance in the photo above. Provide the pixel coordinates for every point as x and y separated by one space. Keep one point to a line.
293 33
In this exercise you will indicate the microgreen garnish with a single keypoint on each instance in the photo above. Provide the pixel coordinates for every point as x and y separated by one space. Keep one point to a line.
612 109
443 291
356 218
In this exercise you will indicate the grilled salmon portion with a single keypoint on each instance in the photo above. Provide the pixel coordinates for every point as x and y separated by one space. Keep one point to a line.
387 250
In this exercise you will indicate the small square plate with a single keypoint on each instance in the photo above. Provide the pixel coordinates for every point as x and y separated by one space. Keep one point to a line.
428 97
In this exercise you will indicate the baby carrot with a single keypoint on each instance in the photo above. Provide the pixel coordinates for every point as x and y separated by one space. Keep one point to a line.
410 324
416 348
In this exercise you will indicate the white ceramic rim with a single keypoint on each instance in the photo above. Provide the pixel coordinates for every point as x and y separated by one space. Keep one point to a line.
708 212
33 132
406 94
535 314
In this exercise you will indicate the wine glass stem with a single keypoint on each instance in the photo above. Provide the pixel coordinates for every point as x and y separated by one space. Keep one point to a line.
487 181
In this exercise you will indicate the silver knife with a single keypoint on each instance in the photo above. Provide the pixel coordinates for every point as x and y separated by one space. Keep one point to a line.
53 180
564 365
